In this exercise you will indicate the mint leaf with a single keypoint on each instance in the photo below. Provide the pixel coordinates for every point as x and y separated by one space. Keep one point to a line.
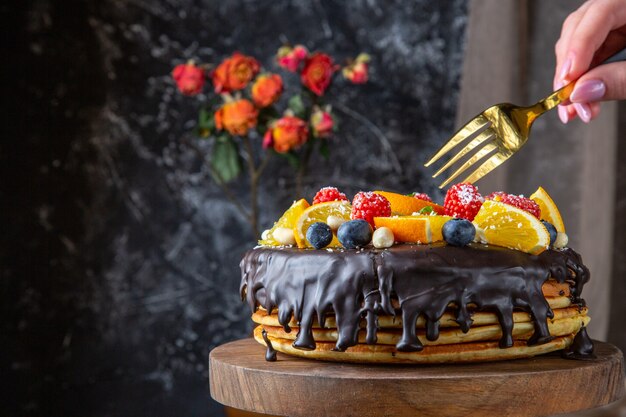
426 210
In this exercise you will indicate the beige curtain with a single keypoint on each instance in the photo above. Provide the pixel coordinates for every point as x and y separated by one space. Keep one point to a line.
510 58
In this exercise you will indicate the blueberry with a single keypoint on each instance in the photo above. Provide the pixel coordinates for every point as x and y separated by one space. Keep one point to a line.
354 234
319 235
551 230
458 232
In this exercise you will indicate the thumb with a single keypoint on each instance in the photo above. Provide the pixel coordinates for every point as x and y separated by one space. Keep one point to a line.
606 82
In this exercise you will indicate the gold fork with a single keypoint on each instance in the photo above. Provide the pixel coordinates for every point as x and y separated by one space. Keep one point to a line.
501 130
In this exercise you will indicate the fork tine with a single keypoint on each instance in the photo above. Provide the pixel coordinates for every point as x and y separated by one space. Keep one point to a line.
486 167
471 127
482 137
475 158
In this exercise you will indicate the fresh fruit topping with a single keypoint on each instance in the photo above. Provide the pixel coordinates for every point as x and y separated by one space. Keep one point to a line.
551 230
426 210
458 232
284 236
405 205
355 234
288 220
520 202
327 194
561 240
367 205
414 229
334 222
319 213
549 211
496 195
463 201
422 196
383 238
319 235
505 225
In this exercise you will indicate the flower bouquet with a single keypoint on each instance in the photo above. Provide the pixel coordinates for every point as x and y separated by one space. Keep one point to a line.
248 104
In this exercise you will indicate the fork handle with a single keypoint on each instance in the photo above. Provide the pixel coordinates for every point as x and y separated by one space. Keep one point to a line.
559 96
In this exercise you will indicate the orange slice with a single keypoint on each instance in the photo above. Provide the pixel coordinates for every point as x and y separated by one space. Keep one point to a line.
504 225
288 219
319 213
549 211
414 229
404 205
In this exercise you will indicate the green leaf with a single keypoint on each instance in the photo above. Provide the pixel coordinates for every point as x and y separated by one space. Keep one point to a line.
206 123
426 210
225 159
324 149
296 105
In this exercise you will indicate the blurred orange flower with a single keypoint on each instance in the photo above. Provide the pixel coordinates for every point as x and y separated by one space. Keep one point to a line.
287 133
234 73
267 89
237 117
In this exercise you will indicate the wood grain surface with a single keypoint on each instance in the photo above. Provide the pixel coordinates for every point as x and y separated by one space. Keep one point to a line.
546 385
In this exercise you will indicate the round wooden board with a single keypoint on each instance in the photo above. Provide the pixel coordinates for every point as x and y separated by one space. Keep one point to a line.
545 385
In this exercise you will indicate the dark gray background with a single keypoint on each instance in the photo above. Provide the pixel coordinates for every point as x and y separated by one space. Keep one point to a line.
119 255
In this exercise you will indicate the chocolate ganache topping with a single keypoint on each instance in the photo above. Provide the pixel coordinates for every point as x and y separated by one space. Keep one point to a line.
425 279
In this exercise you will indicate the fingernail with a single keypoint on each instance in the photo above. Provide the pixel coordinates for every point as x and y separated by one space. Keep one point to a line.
584 112
563 114
567 66
588 91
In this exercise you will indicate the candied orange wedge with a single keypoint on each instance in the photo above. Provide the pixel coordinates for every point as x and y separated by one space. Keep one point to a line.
414 229
319 213
288 220
404 205
501 224
549 210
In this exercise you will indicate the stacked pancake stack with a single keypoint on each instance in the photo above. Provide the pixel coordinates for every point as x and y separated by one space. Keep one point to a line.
481 342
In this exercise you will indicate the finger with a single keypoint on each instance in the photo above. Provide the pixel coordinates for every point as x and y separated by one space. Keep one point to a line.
590 34
595 110
615 42
606 82
569 26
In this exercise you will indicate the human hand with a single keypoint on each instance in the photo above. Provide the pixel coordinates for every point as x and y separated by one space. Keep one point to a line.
591 34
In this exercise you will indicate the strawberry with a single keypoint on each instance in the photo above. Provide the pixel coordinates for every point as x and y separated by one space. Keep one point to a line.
518 201
422 196
329 194
367 205
463 201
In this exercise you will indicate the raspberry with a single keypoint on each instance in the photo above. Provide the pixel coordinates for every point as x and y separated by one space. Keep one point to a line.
329 194
523 203
496 196
367 205
463 201
422 196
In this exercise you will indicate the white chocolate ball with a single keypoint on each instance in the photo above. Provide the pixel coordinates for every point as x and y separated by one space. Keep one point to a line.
334 222
284 236
561 240
383 238
265 234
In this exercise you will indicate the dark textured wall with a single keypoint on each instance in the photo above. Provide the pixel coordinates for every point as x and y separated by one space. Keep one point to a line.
119 255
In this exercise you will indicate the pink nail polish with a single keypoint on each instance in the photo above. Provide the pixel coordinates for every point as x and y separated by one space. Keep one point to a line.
588 91
563 114
567 66
584 112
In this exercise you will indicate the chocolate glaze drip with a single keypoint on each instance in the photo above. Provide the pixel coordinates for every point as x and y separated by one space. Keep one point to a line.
582 348
425 279
270 354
